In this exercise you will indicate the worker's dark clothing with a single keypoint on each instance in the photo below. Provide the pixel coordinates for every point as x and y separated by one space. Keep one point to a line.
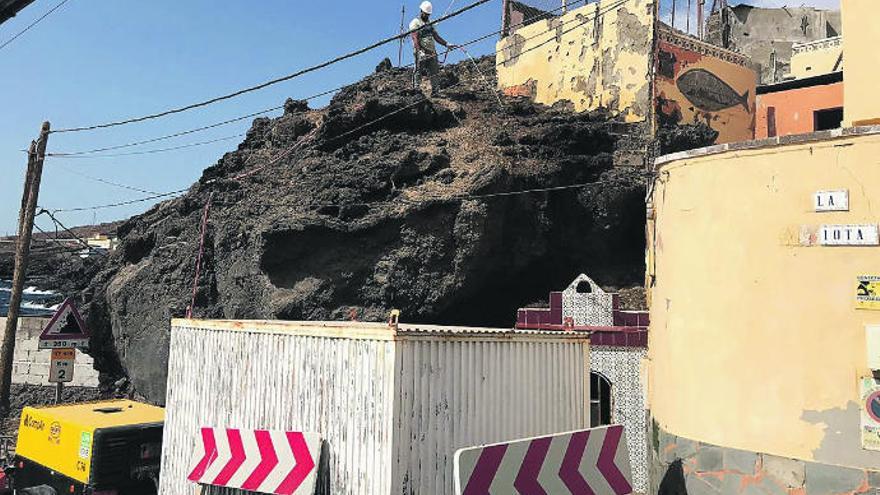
425 53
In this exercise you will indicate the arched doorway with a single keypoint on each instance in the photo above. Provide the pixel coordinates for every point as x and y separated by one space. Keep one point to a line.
600 400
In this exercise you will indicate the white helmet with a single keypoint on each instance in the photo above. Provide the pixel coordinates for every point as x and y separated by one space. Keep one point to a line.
427 8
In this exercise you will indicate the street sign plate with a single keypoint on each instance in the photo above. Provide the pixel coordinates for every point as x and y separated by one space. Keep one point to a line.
65 330
849 235
831 200
61 367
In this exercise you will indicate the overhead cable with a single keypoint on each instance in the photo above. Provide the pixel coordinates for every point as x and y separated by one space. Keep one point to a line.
317 95
31 25
144 152
581 21
272 82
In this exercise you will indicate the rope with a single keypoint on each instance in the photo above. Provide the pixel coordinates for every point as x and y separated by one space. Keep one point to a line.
272 82
189 310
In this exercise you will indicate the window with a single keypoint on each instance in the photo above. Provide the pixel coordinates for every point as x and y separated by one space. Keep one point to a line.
830 118
583 287
771 121
600 400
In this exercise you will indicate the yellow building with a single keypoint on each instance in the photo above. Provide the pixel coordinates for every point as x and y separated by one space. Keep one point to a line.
763 262
619 57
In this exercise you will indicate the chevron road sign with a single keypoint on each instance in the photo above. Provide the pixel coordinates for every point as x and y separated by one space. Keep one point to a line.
588 462
263 461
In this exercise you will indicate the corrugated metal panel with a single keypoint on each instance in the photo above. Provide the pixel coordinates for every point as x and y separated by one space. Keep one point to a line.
454 394
340 388
392 412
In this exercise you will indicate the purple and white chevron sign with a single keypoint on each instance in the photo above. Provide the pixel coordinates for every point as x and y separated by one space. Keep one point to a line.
588 462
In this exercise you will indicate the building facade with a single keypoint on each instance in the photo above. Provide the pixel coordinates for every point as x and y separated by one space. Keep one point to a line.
618 57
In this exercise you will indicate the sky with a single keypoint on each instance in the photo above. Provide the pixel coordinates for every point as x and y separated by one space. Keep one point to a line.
94 61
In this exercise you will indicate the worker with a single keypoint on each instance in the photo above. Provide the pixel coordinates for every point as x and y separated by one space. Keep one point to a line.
424 38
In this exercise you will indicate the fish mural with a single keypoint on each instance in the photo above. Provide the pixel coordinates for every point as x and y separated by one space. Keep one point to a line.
710 93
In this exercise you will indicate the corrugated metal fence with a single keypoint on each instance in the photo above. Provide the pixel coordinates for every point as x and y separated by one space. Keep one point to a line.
392 410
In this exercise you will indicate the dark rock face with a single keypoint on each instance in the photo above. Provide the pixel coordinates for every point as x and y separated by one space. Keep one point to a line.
381 200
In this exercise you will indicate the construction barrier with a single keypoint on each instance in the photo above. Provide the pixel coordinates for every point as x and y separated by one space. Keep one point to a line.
594 461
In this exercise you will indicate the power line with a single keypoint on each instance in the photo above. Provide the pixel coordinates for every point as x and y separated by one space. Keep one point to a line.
144 152
31 25
108 182
301 142
312 97
122 203
272 82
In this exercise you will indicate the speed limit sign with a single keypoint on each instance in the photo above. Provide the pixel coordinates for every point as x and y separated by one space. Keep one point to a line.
61 368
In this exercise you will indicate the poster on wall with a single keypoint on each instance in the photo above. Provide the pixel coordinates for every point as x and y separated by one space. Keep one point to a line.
701 83
868 292
870 413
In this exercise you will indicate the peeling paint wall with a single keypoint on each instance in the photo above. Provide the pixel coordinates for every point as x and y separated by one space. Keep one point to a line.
766 35
699 82
596 56
755 340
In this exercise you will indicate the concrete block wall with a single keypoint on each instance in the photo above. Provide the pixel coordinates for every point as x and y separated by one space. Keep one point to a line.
30 365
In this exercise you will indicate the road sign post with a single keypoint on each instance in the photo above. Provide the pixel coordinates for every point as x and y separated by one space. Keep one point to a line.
61 369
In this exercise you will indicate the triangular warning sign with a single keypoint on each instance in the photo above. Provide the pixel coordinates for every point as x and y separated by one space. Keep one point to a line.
66 325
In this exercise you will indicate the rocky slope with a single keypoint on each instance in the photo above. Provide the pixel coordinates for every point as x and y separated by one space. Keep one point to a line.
388 200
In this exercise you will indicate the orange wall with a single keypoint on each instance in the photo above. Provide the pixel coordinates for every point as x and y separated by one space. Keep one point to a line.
795 107
701 83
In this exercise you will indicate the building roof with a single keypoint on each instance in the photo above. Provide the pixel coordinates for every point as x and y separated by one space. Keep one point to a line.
806 82
8 8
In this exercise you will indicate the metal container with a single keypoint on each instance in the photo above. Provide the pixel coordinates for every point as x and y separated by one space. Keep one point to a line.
392 404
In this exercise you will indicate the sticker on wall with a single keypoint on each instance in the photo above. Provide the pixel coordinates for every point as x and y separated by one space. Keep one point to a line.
870 413
868 292
849 235
831 200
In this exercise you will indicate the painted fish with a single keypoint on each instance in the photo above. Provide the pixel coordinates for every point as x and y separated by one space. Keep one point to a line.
709 92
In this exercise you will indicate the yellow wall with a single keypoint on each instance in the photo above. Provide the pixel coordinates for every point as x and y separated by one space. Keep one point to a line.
755 342
817 57
591 63
861 45
698 82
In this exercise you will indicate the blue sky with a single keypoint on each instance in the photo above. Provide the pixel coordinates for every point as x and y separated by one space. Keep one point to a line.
99 60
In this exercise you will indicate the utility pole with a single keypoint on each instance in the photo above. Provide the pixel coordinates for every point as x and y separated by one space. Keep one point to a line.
36 156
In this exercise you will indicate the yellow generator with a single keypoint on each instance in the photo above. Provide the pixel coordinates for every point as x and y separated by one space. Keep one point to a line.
99 448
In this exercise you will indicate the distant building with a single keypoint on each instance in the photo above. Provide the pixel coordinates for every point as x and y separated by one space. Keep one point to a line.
768 36
102 241
622 59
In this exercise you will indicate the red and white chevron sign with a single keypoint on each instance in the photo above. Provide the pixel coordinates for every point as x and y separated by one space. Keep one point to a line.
588 462
263 461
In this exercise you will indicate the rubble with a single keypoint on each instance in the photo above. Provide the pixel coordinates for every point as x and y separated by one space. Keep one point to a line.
390 201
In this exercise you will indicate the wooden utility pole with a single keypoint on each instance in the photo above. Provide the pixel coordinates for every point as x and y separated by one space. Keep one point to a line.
36 156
